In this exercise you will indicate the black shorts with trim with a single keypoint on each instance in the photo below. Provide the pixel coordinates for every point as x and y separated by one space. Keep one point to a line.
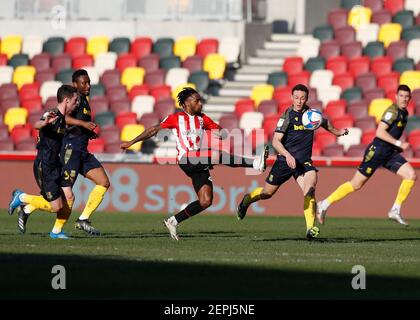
76 159
48 178
281 172
376 156
198 171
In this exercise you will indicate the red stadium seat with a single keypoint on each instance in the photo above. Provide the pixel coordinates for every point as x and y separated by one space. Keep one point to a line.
344 80
193 63
324 138
110 134
155 78
164 107
329 49
149 62
41 61
345 35
111 78
283 95
338 64
61 62
337 18
141 47
149 119
293 65
29 90
6 144
113 147
381 17
99 104
335 109
161 92
45 75
375 93
394 5
356 151
414 141
32 118
120 106
333 150
299 78
207 46
75 46
316 150
3 59
244 105
381 65
85 60
352 50
268 107
8 90
359 65
345 121
33 104
229 121
366 81
366 123
389 82
126 60
4 131
28 144
116 93
397 50
270 124
125 118
138 90
9 103
96 145
374 5
20 132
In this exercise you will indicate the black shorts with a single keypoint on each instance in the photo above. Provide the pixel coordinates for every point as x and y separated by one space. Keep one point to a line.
75 160
281 172
375 157
198 172
48 179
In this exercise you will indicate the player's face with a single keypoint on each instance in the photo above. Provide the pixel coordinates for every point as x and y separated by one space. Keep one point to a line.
71 103
403 98
194 103
82 85
299 99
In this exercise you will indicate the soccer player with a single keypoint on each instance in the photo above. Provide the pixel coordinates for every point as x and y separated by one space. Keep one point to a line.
76 158
188 127
383 151
47 168
294 147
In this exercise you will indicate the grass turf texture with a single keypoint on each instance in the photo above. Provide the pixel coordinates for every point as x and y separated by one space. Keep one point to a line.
216 258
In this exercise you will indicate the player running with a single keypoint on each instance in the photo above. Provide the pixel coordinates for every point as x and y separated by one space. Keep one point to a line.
383 151
188 127
294 147
47 168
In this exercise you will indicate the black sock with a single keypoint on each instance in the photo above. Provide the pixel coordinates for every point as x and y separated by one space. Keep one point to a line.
235 161
191 210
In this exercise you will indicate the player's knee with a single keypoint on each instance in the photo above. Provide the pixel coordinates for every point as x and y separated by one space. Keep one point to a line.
206 202
106 184
70 197
310 192
56 206
266 195
411 175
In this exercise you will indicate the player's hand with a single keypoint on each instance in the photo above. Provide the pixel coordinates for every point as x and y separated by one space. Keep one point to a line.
291 162
51 117
405 146
125 145
89 125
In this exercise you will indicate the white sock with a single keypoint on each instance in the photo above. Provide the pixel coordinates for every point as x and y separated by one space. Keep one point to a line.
396 207
324 204
56 230
21 196
27 210
255 164
173 221
82 217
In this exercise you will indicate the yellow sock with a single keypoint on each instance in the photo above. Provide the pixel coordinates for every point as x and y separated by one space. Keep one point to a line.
95 199
340 193
404 191
62 216
37 202
309 211
253 196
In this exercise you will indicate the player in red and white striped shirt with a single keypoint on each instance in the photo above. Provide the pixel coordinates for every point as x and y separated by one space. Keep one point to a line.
189 127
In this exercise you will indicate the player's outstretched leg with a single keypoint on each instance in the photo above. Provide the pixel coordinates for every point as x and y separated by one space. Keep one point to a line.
171 224
249 198
22 218
15 202
403 192
260 163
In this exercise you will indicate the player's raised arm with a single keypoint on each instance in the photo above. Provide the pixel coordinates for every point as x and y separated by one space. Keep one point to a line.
47 118
146 134
327 125
383 134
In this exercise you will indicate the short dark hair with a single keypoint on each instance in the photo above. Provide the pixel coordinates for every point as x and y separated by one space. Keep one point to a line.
78 73
184 94
404 87
301 87
65 91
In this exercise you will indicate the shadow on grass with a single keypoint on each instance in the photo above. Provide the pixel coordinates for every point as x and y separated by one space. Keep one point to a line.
339 240
29 276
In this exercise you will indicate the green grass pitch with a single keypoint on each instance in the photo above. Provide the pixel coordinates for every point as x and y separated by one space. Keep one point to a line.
217 257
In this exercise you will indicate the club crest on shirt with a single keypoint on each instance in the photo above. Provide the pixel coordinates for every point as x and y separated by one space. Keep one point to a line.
388 116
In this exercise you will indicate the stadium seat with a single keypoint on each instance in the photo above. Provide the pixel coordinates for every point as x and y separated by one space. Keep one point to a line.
93 75
141 47
359 65
163 47
366 81
268 107
176 76
329 49
375 93
97 45
155 78
349 4
321 79
120 106
389 82
374 5
82 61
75 46
353 138
32 45
19 59
120 45
7 103
328 94
413 50
11 45
413 123
116 93
149 119
206 47
193 63
200 79
6 144
358 109
244 105
345 35
185 47
170 62
251 120
337 18
280 26
382 17
374 49
162 92
412 5
389 32
3 59
334 150
397 50
23 75
163 108
54 46
381 65
344 81
4 132
125 118
20 132
105 119
229 48
126 60
51 102
359 16
262 92
6 74
377 108
99 104
352 94
403 64
293 65
276 79
405 18
30 90
44 76
149 62
142 105
41 62
338 64
367 33
132 76
96 145
105 61
394 5
335 109
411 33
138 90
227 121
342 122
411 78
215 65
356 151
299 78
61 62
65 76
14 117
324 138
324 33
110 134
311 65
351 50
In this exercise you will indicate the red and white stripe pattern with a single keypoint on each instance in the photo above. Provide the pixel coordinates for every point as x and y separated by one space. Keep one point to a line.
188 130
